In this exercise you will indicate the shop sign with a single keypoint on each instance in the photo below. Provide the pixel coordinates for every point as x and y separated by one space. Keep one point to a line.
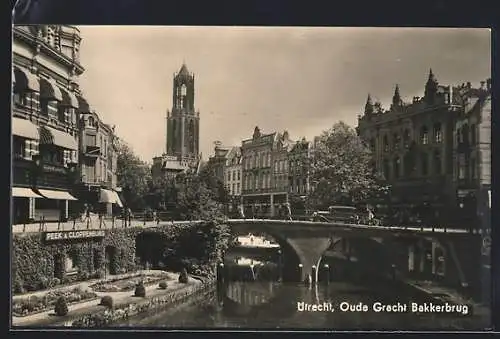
49 236
53 169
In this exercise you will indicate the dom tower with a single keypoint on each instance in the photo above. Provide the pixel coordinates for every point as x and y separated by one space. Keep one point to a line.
183 130
183 122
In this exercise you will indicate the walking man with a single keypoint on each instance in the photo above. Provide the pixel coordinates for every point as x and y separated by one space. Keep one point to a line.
288 211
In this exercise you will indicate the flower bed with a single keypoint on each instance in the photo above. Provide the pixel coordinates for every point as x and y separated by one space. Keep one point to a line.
30 305
127 284
124 311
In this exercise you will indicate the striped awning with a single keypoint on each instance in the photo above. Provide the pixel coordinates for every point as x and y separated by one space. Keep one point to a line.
50 90
25 80
69 99
24 128
23 192
57 195
55 137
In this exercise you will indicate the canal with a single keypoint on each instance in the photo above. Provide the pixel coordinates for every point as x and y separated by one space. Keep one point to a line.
270 305
251 295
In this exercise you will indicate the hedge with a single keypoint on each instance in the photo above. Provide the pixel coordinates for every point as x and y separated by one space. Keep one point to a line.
38 265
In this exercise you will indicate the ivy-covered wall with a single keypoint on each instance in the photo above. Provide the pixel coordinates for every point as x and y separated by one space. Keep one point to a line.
38 264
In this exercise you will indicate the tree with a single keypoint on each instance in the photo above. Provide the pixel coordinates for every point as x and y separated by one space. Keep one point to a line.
342 170
133 175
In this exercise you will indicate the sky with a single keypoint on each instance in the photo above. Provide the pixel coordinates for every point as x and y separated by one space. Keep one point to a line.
300 79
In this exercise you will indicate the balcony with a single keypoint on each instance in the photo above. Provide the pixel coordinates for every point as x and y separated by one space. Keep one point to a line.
92 151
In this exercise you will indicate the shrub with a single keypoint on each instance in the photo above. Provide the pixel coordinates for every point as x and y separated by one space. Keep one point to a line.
140 290
183 277
163 285
83 275
61 307
55 282
107 301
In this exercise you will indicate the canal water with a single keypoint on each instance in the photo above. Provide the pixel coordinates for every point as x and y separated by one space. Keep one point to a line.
270 305
250 304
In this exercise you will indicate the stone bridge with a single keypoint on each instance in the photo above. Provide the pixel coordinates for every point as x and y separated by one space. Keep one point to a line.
303 244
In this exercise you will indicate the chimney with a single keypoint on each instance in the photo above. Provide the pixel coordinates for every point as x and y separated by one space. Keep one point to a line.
469 85
482 84
488 84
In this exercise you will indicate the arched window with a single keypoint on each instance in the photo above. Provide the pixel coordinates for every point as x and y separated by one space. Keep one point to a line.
191 136
183 96
174 133
438 133
424 135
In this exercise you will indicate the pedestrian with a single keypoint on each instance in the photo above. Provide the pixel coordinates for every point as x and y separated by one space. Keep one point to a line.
87 215
129 216
288 211
242 211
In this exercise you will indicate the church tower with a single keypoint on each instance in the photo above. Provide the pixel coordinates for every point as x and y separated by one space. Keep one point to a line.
183 122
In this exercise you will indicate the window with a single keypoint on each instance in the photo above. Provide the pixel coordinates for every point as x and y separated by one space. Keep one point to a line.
238 189
465 134
424 135
424 164
461 166
19 148
239 175
44 106
234 175
386 143
233 189
437 163
459 136
406 138
105 148
21 98
438 133
397 167
91 140
473 172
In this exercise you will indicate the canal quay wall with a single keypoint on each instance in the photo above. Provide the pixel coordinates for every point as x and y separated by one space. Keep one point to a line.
40 260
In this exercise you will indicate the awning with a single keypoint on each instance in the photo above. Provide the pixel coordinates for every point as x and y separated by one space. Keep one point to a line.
52 136
106 196
50 90
25 80
24 128
23 192
69 99
117 199
57 195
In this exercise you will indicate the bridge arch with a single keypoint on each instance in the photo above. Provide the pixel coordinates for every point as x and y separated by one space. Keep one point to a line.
297 249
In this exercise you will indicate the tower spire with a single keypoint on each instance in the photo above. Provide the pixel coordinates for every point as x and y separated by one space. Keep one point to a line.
368 105
396 98
431 87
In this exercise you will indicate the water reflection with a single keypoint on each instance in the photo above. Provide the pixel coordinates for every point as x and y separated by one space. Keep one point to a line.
275 305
